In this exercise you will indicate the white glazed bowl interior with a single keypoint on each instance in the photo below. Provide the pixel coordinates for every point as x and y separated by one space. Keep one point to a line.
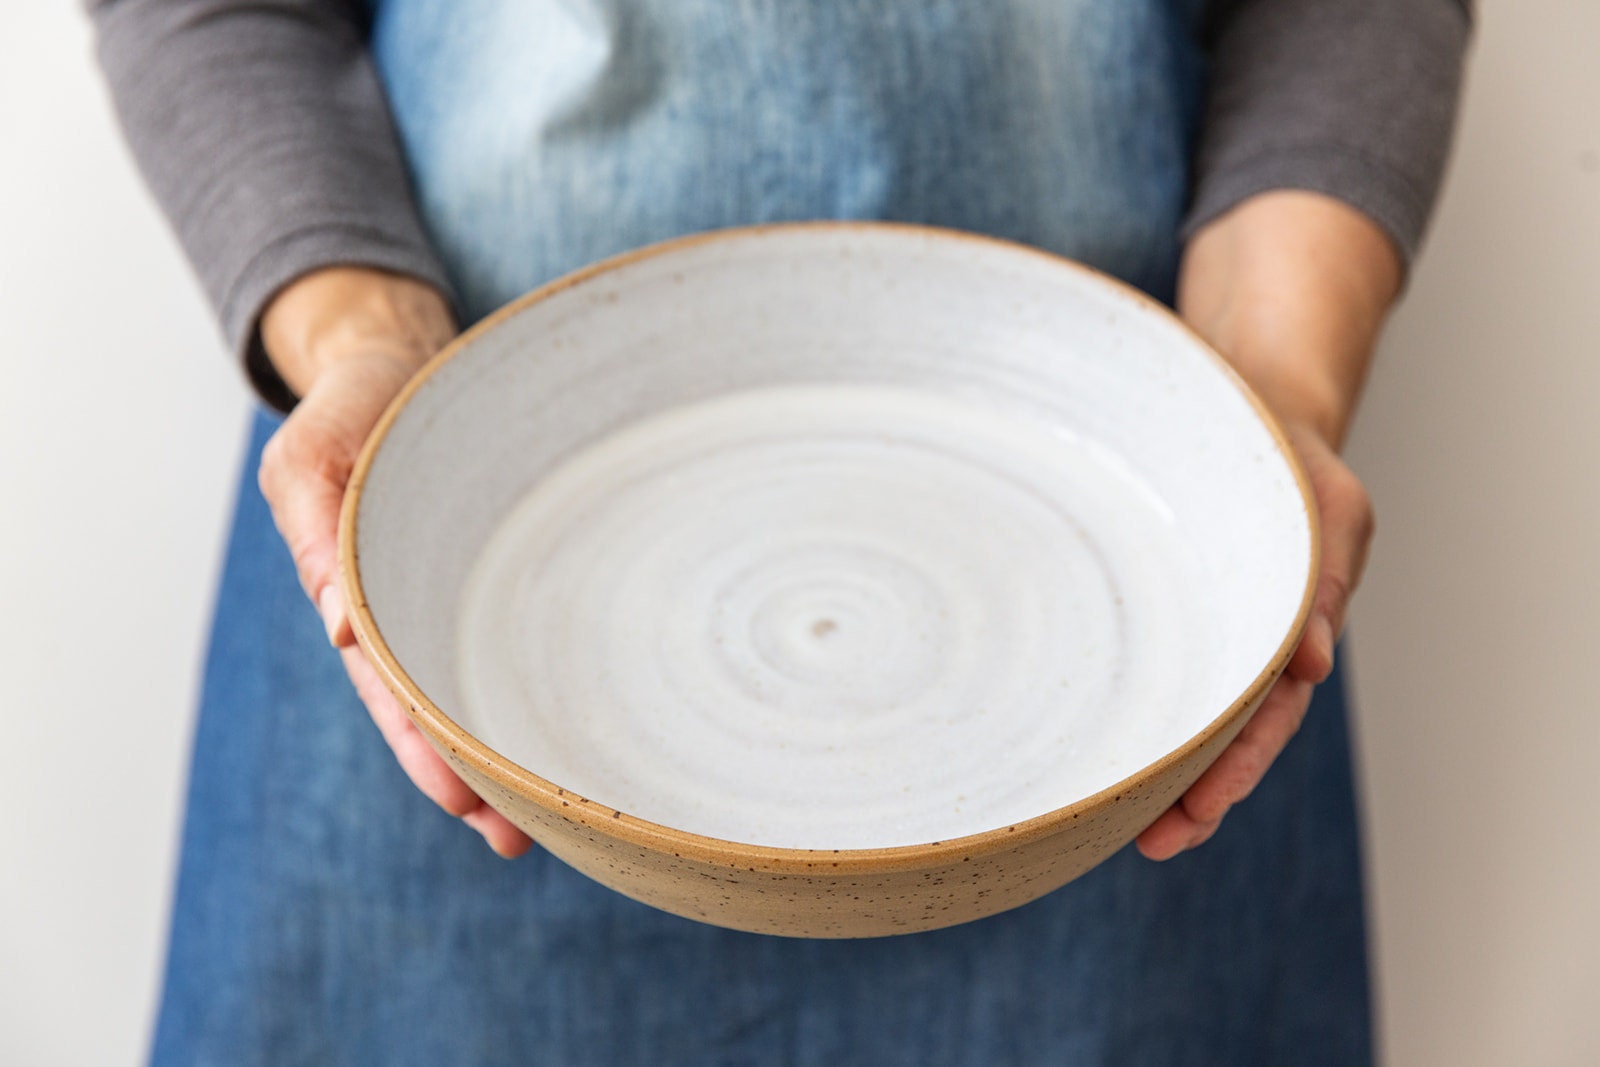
1021 333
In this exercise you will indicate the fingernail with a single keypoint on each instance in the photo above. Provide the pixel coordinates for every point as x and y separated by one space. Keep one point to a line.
1325 638
332 612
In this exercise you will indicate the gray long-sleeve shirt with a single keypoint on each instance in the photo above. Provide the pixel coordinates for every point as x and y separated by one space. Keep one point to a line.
263 130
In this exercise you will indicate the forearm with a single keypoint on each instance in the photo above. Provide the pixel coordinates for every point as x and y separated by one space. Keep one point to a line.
1352 98
262 129
1293 287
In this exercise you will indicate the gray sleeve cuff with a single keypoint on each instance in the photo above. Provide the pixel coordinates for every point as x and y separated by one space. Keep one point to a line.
1351 98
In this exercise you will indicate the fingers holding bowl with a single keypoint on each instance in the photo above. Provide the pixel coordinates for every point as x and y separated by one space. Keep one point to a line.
426 768
1234 776
1346 518
304 471
1348 525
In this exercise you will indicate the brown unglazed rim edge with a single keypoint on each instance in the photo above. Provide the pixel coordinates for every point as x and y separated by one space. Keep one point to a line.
682 843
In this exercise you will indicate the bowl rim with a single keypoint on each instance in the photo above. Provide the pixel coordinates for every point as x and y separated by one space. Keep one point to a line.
445 732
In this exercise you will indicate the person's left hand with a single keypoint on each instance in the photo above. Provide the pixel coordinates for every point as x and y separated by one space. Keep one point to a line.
1292 288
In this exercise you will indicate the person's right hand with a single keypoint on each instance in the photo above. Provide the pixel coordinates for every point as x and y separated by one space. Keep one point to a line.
346 340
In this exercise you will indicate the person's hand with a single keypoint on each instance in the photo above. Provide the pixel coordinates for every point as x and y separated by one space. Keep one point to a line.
1347 526
346 341
1292 288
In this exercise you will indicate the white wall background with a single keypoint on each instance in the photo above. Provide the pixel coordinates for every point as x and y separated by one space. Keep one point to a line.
1476 637
120 423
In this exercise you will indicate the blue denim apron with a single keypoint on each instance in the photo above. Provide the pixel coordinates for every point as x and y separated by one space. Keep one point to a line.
328 914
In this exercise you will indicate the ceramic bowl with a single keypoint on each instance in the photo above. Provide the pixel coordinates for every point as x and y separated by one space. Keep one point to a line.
829 580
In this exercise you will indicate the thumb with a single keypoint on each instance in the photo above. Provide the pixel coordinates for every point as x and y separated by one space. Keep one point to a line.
306 466
1345 511
304 469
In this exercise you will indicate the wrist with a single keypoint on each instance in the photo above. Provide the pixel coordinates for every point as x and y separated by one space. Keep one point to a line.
339 313
1293 288
1302 392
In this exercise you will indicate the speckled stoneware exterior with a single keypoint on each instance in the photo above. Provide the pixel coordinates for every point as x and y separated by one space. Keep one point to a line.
1045 342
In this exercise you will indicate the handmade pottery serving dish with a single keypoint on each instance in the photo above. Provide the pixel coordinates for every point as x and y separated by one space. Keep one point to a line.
829 579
